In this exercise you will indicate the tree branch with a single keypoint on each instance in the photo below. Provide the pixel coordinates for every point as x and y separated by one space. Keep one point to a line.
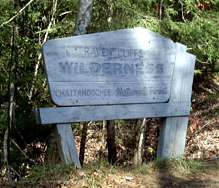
22 151
19 12
137 13
44 40
64 13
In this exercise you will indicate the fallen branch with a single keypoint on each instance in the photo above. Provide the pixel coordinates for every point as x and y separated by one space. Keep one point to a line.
22 151
15 127
205 126
198 131
19 12
202 61
16 172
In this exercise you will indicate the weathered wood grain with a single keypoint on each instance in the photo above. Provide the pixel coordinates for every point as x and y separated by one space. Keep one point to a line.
111 112
173 130
116 67
172 137
66 144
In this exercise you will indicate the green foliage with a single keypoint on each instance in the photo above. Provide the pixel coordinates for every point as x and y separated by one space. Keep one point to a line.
193 23
201 37
22 50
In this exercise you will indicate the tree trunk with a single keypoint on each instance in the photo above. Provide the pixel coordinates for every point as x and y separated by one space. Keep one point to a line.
11 93
5 148
103 142
83 143
52 154
83 21
84 17
140 143
110 125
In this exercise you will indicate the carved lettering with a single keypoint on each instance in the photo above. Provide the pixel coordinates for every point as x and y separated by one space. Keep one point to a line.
94 51
66 67
159 68
149 68
83 93
139 68
123 68
108 92
95 68
129 69
83 69
120 69
76 68
106 68
131 92
162 91
117 68
105 52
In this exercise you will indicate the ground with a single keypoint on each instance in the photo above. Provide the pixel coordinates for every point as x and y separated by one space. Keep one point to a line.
199 168
173 173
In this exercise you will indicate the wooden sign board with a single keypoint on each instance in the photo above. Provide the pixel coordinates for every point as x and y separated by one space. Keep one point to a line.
129 66
123 74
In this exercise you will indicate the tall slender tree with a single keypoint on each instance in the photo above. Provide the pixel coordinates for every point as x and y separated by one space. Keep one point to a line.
81 25
138 155
11 91
111 142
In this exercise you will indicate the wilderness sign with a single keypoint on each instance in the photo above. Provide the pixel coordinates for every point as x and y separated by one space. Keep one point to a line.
110 68
123 74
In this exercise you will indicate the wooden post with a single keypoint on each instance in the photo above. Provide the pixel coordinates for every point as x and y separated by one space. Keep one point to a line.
173 130
66 144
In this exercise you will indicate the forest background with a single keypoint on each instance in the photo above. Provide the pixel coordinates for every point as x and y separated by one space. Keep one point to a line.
26 25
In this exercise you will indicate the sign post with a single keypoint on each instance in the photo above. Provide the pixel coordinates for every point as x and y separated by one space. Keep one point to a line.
123 74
